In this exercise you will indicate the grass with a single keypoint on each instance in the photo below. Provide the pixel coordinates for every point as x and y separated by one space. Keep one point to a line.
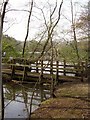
72 90
71 102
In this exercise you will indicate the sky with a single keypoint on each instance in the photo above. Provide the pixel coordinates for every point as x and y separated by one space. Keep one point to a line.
15 24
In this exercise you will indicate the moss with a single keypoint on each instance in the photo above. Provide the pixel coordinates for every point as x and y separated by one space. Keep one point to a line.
47 101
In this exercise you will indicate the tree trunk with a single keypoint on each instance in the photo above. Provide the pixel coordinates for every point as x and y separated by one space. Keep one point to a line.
2 15
74 34
0 69
88 70
27 28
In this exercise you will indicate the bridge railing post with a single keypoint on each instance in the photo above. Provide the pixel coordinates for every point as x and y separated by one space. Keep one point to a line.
51 68
41 72
57 64
24 73
13 69
37 67
64 71
82 71
52 78
86 68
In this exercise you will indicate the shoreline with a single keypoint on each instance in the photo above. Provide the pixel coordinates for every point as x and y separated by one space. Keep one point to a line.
68 103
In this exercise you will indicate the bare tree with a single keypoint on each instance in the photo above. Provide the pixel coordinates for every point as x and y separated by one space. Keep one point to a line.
29 18
50 27
41 38
74 33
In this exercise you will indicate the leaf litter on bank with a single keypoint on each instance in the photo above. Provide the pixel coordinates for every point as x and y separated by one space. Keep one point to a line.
68 103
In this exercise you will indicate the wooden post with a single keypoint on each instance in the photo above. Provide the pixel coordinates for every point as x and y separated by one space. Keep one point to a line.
51 68
82 71
30 68
13 69
37 67
52 79
41 92
42 67
86 68
41 74
57 63
24 73
64 71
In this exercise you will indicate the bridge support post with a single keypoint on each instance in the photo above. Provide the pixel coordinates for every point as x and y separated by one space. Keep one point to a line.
37 67
13 69
25 73
52 79
64 68
41 73
56 79
82 71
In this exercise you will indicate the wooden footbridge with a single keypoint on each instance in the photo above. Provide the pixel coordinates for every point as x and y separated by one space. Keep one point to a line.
45 71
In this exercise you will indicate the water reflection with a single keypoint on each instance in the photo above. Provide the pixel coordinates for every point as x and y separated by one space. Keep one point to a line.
17 98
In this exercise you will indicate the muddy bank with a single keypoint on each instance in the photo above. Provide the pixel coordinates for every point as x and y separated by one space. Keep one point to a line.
71 102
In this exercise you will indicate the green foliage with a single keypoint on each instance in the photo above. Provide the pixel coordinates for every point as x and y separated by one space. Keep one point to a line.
68 52
65 50
10 46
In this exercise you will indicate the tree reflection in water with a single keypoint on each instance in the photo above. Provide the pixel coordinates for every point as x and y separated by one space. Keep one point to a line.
17 98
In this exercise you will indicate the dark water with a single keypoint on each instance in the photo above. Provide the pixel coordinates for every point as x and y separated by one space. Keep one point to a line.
17 98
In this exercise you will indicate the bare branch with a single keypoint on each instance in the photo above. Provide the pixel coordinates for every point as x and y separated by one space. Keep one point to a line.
3 12
8 28
37 44
54 9
59 15
27 28
51 28
74 33
16 10
43 17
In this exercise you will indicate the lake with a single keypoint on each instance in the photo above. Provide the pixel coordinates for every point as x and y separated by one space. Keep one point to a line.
17 98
